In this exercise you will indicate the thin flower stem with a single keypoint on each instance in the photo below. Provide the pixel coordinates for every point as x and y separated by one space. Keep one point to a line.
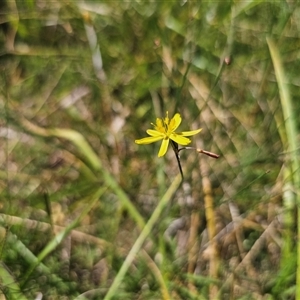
176 151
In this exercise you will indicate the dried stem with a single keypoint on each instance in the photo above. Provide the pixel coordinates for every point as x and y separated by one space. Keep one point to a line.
211 154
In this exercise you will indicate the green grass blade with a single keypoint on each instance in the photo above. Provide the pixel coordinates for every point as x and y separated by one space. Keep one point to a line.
9 284
142 237
83 146
291 194
80 142
15 244
62 235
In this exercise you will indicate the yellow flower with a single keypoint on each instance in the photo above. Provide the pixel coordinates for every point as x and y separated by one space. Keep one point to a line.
165 130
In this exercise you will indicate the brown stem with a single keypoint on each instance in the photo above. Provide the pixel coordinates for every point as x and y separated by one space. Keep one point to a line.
211 154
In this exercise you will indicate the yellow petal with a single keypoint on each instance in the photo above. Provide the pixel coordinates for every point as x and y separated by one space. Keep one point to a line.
155 133
179 139
189 133
164 147
175 122
148 140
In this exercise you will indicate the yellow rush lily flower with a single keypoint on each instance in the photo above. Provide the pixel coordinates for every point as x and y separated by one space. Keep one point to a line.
165 130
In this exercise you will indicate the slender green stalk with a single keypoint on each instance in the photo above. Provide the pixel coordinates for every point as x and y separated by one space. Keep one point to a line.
12 289
292 172
65 232
83 146
142 237
165 295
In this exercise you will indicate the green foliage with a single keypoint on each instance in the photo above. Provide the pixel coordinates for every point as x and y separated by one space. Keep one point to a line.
88 214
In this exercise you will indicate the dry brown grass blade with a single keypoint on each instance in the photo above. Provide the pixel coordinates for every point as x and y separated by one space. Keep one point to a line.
193 245
246 263
211 226
76 235
237 229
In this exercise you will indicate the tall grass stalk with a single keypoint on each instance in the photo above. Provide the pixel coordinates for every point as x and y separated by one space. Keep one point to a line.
64 233
94 161
211 227
7 280
142 237
291 194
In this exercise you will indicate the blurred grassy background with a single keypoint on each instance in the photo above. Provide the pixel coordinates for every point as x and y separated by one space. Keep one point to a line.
80 81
